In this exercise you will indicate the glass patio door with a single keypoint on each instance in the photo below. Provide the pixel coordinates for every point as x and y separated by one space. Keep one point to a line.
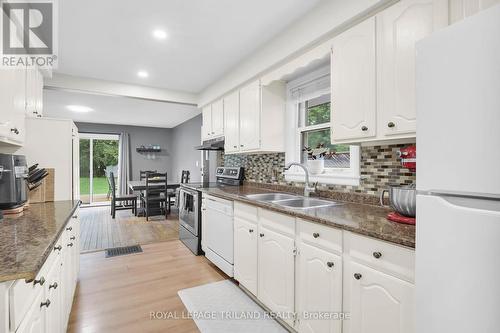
98 159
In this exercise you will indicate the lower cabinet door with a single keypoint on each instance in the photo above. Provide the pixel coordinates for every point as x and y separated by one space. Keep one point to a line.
377 302
245 254
34 321
276 273
319 290
53 285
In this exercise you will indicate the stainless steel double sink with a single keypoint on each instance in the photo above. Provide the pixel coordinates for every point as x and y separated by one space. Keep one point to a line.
292 201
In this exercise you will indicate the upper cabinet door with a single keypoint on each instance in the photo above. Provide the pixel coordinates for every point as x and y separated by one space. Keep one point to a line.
353 69
399 27
250 116
460 9
232 122
207 122
218 118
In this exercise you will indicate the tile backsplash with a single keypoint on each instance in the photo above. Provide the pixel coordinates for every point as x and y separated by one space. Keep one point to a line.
380 167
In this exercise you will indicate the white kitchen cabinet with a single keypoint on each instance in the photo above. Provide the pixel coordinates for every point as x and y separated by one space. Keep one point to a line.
377 302
218 118
34 321
12 104
206 131
319 289
250 116
52 286
232 122
399 27
353 82
261 119
34 93
245 254
460 9
276 272
213 120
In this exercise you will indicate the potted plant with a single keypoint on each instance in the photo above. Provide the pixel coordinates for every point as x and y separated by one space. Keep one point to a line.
316 158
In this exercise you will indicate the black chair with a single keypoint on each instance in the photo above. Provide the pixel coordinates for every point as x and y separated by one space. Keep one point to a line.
155 194
173 193
127 201
143 173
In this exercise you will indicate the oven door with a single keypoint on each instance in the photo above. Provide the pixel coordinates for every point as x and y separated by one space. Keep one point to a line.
189 210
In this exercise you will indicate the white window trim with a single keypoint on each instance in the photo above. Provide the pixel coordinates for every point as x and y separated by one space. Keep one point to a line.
338 176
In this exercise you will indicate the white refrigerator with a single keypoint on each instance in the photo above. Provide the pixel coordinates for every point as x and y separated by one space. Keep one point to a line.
458 177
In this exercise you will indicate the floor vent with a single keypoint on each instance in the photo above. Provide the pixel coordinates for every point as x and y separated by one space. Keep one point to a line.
121 251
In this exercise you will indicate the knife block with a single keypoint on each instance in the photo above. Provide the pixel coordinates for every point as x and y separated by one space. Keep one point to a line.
44 192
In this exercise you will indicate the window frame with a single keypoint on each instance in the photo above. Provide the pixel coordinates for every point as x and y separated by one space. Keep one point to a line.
319 80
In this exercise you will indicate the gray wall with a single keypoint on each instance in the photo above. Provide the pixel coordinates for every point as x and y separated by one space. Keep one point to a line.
141 136
184 137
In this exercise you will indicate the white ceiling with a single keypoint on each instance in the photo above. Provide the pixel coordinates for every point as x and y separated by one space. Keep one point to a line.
116 110
112 40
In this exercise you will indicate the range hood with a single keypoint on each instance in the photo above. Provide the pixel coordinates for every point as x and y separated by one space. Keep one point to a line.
213 144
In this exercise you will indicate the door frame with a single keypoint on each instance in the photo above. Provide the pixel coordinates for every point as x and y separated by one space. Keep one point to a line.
98 136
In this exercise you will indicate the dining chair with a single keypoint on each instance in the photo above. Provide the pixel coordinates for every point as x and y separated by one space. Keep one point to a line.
173 193
143 173
127 201
155 194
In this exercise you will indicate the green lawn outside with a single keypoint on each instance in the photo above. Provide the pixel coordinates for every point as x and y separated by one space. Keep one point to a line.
100 185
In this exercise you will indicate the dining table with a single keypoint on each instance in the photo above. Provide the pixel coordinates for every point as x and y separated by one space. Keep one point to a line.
140 185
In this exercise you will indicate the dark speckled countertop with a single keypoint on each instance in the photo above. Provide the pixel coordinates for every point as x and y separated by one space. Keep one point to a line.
26 240
359 218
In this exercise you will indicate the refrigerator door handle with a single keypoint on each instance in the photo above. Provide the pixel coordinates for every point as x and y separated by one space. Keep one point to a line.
489 205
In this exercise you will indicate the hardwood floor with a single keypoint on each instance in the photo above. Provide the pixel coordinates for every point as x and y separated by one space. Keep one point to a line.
118 294
99 231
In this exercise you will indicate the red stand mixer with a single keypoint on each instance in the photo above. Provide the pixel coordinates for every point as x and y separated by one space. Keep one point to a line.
403 198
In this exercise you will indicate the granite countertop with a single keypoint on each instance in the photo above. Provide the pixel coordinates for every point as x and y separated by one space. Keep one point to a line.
26 240
363 219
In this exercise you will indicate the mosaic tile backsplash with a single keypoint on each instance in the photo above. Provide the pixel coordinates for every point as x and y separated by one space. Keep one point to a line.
380 167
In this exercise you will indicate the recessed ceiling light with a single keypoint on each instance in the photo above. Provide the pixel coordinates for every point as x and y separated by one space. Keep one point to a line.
160 34
79 108
142 74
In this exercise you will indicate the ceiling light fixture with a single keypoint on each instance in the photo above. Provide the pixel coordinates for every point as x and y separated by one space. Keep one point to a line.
79 108
142 74
160 34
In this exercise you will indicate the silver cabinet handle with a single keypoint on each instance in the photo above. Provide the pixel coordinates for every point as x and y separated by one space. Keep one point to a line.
41 281
14 130
58 248
377 255
72 238
315 235
69 228
357 276
330 264
46 303
70 244
364 128
250 230
53 285
261 235
391 124
74 216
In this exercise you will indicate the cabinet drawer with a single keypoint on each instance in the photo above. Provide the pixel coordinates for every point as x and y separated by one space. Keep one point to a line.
392 259
327 238
22 293
246 212
281 223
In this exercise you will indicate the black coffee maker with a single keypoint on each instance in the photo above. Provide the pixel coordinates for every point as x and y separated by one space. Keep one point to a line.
13 187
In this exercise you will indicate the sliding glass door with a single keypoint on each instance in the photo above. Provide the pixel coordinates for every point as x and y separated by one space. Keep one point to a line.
98 159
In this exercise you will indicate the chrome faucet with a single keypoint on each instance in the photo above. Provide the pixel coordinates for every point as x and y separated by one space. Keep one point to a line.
307 187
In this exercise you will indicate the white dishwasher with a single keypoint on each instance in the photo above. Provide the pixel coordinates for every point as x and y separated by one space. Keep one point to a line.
219 233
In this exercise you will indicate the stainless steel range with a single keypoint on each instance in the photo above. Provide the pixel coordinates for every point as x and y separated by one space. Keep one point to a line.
190 205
